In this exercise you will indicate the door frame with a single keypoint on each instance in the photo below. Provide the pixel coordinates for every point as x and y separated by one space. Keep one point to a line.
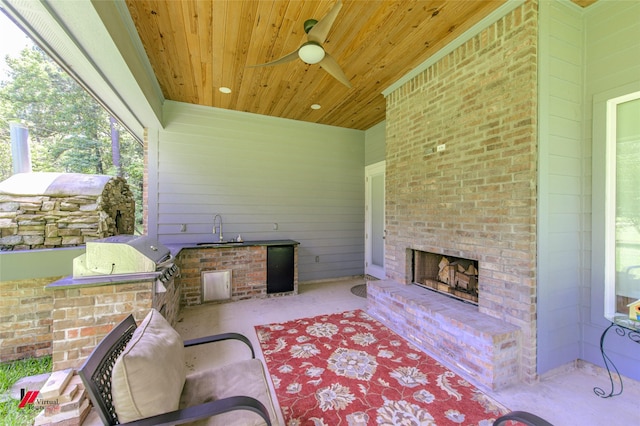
370 269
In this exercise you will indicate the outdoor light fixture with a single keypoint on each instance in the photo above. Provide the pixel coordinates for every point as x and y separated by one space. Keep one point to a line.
311 52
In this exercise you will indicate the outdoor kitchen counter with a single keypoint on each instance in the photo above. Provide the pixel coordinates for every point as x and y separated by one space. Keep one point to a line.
85 309
215 272
99 280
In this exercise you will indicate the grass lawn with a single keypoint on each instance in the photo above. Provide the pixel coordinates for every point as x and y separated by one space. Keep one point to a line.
10 373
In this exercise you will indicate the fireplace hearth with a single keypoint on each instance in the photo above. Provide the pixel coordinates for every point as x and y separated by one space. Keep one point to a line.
453 276
483 349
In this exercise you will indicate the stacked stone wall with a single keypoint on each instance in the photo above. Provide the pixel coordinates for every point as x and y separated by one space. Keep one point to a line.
63 219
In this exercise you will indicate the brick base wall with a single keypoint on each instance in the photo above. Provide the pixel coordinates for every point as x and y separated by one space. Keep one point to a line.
25 319
477 198
82 316
168 302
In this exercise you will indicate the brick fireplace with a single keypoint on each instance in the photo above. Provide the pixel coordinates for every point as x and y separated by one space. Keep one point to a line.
477 198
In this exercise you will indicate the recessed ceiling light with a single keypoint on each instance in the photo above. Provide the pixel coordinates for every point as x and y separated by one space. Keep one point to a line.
224 89
315 106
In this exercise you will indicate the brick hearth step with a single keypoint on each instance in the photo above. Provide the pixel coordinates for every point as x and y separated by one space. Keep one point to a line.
479 347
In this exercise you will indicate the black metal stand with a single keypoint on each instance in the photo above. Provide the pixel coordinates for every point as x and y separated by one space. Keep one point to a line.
621 331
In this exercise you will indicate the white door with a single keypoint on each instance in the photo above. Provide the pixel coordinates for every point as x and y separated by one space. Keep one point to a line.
374 220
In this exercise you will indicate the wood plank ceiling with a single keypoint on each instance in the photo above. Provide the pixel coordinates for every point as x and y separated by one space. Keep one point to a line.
197 46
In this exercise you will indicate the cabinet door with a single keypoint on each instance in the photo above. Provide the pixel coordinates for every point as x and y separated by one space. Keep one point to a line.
280 269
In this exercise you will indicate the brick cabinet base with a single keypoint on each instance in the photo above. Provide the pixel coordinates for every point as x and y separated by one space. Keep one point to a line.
481 348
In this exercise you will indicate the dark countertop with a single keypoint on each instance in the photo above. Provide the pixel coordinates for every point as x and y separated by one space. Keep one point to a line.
177 247
100 280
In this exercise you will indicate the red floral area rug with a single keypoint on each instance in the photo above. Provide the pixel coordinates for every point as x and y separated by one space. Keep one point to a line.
349 369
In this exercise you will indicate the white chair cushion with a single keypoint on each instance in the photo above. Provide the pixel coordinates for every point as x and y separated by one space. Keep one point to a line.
240 378
149 375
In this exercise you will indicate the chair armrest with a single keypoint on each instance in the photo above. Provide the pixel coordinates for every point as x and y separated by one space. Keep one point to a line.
218 338
522 417
202 411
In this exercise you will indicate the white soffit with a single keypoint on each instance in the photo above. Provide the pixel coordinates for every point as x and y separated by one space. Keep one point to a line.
72 33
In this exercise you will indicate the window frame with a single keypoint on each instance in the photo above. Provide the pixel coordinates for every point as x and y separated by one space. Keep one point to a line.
610 130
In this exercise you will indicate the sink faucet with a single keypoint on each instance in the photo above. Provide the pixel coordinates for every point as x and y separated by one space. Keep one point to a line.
219 218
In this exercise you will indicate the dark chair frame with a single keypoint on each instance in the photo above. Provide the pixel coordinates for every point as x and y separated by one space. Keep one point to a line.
521 417
96 376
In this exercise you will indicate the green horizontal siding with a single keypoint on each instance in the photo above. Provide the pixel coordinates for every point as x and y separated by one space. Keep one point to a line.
258 171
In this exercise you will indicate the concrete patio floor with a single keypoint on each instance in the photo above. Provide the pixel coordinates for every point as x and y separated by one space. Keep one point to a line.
563 397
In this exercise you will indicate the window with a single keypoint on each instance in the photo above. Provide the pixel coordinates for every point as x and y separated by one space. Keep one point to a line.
622 214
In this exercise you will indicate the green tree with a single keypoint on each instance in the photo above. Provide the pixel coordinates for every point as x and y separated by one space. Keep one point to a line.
69 131
5 145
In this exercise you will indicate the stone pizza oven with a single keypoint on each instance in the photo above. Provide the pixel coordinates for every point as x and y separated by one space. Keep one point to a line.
47 210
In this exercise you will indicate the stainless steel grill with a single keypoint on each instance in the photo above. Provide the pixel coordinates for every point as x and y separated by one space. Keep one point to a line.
125 255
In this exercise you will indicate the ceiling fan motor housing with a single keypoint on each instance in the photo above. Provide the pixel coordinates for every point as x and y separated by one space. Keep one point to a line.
308 24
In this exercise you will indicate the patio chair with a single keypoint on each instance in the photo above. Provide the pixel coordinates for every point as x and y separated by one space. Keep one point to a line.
138 375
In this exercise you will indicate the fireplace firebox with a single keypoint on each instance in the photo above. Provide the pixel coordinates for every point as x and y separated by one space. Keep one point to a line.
454 276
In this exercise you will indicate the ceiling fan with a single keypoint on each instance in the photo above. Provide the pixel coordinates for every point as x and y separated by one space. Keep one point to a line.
312 51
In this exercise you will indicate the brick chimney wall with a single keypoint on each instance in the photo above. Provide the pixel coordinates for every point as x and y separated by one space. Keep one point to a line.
477 198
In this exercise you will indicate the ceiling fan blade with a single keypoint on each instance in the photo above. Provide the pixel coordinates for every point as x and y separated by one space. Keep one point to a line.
320 30
288 58
331 66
